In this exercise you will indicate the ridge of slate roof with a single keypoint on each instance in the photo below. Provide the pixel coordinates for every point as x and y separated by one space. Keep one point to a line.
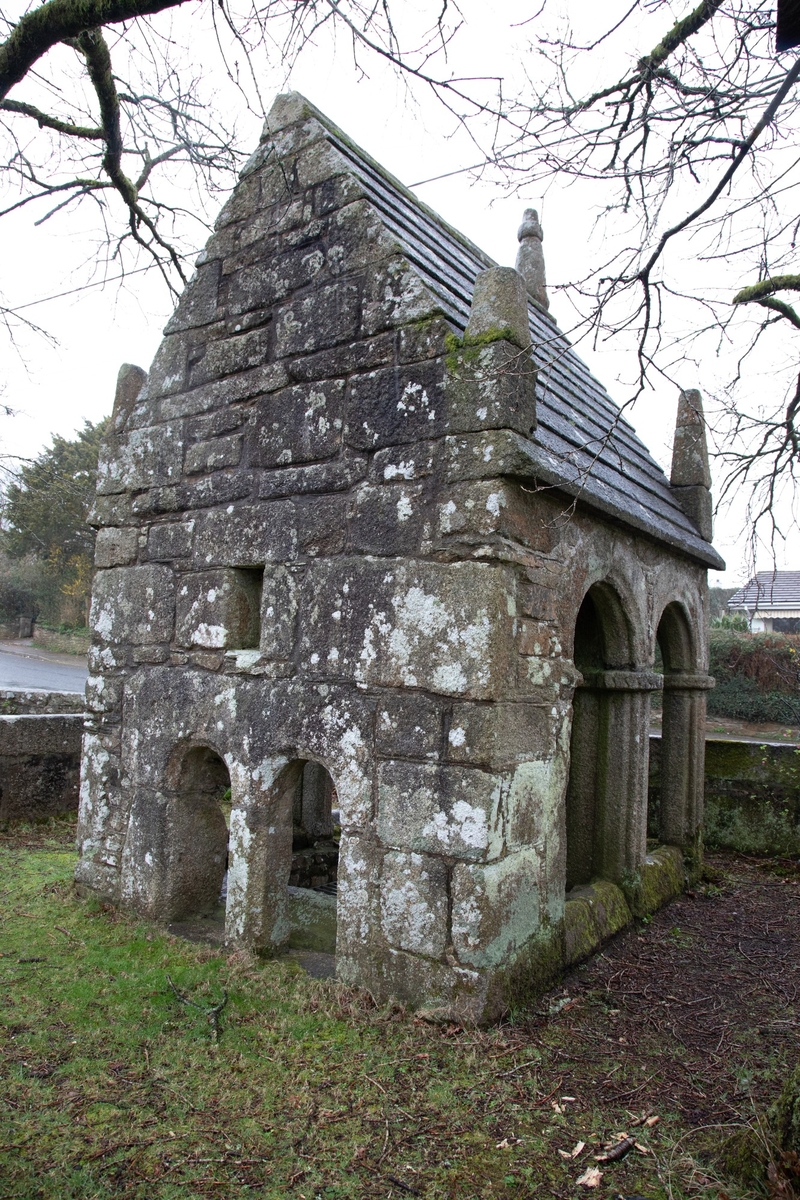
583 445
769 589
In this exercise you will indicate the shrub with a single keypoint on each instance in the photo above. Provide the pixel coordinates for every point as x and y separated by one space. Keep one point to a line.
731 621
757 674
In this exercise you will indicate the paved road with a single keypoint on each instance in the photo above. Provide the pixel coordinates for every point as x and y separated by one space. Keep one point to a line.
24 666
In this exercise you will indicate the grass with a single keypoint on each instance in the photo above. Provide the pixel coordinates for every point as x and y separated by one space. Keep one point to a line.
112 1087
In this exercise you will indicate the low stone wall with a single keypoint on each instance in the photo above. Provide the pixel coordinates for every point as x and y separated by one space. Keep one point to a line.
40 755
64 643
312 919
13 702
752 796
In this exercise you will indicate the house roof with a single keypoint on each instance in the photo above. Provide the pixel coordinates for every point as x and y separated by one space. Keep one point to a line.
583 445
768 591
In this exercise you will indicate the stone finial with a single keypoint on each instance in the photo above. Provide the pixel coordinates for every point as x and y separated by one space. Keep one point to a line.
287 109
689 451
530 256
130 381
500 306
691 477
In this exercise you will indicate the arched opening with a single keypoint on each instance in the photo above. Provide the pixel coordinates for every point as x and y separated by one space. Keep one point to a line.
315 831
198 821
674 809
605 812
312 883
284 852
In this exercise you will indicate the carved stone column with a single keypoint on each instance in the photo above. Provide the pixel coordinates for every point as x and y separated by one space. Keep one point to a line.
683 763
607 794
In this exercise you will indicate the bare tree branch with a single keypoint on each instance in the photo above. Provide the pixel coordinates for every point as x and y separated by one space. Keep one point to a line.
791 78
45 121
94 48
58 21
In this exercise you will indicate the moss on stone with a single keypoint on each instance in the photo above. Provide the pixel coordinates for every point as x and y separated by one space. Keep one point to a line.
754 828
312 918
784 1116
593 914
660 879
743 1155
733 760
463 351
533 972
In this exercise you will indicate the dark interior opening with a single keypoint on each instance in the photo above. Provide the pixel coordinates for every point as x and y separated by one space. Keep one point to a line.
248 598
674 656
602 642
315 831
200 819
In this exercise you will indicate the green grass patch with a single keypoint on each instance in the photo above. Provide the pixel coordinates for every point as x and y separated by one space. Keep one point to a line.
112 1087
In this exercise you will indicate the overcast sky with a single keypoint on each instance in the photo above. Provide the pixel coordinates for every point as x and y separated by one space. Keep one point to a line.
53 386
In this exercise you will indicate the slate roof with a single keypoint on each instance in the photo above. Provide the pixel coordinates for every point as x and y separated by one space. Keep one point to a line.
583 444
769 590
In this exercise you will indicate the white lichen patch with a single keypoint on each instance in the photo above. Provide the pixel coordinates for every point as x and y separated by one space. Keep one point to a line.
494 502
463 826
211 637
356 877
438 630
414 903
495 909
404 508
402 470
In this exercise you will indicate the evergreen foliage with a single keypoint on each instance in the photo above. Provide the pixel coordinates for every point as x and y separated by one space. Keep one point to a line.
46 570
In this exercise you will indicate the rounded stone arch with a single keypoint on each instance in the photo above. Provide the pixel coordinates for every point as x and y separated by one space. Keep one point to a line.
675 801
676 638
606 798
603 633
284 817
194 853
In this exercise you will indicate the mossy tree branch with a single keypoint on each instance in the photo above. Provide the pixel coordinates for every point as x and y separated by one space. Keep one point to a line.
768 287
762 293
58 21
45 121
679 34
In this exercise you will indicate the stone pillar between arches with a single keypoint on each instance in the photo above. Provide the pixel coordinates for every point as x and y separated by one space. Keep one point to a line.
683 765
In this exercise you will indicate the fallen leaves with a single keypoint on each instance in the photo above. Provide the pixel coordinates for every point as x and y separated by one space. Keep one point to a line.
508 1143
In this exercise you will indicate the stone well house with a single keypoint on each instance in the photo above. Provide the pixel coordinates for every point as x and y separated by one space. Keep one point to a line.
372 538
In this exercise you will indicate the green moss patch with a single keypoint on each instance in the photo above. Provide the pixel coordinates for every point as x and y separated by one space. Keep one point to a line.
592 915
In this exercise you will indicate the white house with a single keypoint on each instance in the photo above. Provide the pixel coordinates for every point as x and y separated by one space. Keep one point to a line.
770 602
